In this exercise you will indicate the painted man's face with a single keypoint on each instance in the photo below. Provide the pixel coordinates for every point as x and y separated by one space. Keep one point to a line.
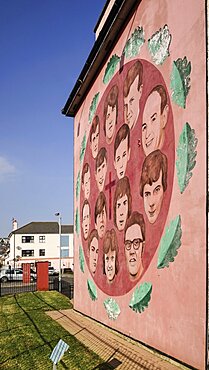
95 142
93 255
121 212
110 122
101 174
133 250
122 156
153 123
86 184
101 221
110 259
153 197
131 104
86 221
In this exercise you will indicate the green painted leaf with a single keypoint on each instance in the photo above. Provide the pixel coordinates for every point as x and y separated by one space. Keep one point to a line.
180 81
93 107
112 308
141 297
186 156
81 258
77 222
92 289
158 45
83 148
111 67
134 44
78 185
169 243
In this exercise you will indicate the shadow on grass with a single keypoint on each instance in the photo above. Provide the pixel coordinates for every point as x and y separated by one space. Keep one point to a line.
109 365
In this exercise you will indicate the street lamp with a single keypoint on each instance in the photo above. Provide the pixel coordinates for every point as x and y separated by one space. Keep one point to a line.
60 219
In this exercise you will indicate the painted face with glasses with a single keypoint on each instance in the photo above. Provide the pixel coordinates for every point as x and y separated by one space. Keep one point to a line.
134 245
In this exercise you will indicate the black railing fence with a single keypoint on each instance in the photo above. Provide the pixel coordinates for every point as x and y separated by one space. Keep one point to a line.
13 287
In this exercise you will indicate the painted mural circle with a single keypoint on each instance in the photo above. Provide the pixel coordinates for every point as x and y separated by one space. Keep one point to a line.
127 177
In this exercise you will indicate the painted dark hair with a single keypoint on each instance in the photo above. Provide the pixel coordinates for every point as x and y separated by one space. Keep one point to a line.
100 204
122 188
111 100
153 164
135 218
135 70
101 156
122 134
110 243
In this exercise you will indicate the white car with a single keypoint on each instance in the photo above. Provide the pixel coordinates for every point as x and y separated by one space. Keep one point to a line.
15 275
52 271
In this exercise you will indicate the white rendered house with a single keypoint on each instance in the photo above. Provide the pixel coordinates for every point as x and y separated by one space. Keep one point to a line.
40 241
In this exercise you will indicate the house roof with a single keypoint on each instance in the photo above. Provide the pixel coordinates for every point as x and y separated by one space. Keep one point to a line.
43 228
118 17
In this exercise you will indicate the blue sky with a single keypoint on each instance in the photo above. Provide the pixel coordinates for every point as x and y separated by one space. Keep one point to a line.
43 47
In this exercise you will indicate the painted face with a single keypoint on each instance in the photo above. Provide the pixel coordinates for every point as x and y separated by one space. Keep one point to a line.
153 123
131 104
133 250
101 174
93 255
86 184
110 122
101 221
95 142
122 156
86 221
153 197
121 212
110 259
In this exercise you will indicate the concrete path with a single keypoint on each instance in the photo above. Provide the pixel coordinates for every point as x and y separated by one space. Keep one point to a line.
117 351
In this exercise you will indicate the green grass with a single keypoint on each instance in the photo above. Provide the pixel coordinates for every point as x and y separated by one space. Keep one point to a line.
28 335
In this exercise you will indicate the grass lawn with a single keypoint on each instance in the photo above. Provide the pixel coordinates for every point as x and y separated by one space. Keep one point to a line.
28 335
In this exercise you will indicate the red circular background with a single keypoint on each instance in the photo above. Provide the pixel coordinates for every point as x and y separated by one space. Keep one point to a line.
122 283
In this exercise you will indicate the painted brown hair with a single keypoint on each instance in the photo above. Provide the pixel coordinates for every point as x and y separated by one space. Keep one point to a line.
122 134
135 218
86 168
93 234
135 70
122 188
162 92
100 204
101 156
94 125
110 243
154 163
111 100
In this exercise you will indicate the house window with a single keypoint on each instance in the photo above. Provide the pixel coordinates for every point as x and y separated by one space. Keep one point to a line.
28 239
28 253
64 240
42 252
42 239
64 252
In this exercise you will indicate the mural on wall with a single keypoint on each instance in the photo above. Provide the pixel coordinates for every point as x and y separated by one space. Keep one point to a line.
127 171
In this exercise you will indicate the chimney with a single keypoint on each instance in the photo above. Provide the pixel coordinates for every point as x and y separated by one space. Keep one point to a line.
14 224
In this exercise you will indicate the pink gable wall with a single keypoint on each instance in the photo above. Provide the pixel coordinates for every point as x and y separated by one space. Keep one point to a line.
172 315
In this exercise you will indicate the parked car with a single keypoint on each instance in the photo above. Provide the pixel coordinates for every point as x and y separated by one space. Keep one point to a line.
15 275
52 271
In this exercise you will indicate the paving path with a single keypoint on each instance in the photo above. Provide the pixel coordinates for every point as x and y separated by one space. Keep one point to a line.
117 351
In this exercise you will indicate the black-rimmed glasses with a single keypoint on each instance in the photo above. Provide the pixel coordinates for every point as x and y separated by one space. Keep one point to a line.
136 244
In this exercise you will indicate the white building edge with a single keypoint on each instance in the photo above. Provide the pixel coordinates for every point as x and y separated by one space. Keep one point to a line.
40 241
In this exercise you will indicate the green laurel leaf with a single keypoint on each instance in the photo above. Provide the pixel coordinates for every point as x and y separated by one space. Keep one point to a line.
112 308
158 45
170 242
78 185
92 289
83 148
141 297
180 81
77 222
111 67
81 258
93 107
186 156
134 44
